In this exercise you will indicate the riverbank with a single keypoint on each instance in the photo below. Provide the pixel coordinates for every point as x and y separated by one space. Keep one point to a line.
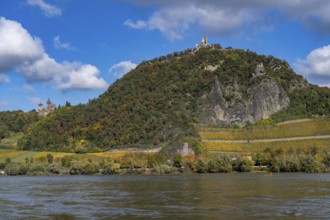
313 161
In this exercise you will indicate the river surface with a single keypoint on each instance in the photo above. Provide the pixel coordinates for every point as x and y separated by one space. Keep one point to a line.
209 196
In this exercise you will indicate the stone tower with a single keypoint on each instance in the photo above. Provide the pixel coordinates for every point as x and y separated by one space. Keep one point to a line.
40 107
205 41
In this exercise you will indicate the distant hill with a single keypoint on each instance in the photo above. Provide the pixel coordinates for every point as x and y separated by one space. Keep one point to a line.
162 100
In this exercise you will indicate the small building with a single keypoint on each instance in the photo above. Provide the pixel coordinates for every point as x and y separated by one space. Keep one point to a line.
51 107
204 43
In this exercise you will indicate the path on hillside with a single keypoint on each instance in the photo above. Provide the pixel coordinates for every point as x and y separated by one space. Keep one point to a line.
27 154
270 140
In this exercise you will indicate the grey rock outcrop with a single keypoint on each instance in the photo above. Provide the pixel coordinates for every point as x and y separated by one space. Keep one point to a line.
185 150
260 70
262 100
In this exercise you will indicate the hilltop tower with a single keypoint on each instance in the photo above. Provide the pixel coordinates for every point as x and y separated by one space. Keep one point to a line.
40 107
204 43
49 108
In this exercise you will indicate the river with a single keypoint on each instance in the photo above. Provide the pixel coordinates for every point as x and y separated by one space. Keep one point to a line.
205 196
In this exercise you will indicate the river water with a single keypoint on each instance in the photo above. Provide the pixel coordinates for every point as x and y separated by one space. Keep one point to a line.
205 196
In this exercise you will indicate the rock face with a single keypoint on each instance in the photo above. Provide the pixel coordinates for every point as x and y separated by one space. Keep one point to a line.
185 150
261 101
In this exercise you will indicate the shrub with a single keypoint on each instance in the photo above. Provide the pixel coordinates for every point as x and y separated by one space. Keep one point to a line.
16 169
54 169
111 168
220 164
90 168
244 165
76 168
309 164
261 159
162 169
201 166
326 159
67 160
177 160
290 163
50 158
36 169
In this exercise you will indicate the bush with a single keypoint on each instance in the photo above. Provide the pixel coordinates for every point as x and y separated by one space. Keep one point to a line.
221 164
90 168
84 168
36 169
50 158
290 163
67 160
177 160
76 168
16 169
201 166
54 169
111 168
244 165
261 159
309 164
326 159
162 169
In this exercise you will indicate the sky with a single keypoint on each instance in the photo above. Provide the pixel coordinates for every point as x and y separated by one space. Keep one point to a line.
73 50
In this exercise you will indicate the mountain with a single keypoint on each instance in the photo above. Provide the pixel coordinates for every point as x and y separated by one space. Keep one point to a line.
164 99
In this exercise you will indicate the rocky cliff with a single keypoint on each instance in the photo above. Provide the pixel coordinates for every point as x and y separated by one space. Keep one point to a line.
262 100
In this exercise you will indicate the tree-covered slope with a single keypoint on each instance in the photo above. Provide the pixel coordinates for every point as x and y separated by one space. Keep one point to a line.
162 99
16 121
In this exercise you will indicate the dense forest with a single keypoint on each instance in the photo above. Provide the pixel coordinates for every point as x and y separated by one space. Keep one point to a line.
160 101
16 121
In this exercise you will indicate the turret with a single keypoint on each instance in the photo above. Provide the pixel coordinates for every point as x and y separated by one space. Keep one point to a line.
40 107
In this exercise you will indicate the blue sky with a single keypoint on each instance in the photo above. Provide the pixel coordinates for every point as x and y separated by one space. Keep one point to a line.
72 50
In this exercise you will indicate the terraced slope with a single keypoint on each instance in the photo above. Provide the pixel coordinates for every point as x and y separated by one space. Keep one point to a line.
301 134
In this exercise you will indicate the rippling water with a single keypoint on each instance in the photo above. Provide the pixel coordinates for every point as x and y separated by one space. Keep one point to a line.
210 196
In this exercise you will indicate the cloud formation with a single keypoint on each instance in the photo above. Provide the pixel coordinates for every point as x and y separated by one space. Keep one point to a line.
4 78
174 18
120 69
60 45
48 9
316 66
19 50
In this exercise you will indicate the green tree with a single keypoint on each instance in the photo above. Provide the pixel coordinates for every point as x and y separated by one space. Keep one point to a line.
50 158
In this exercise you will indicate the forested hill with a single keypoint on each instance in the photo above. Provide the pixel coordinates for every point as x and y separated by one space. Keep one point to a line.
163 99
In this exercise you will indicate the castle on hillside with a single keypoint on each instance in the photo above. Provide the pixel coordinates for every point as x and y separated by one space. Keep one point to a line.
49 108
205 43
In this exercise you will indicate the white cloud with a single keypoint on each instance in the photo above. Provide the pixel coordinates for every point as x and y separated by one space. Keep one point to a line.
48 9
174 18
136 25
316 67
17 45
59 45
21 51
120 69
4 78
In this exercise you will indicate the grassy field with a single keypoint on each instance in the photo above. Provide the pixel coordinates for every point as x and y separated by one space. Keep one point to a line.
256 147
20 156
299 129
303 128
